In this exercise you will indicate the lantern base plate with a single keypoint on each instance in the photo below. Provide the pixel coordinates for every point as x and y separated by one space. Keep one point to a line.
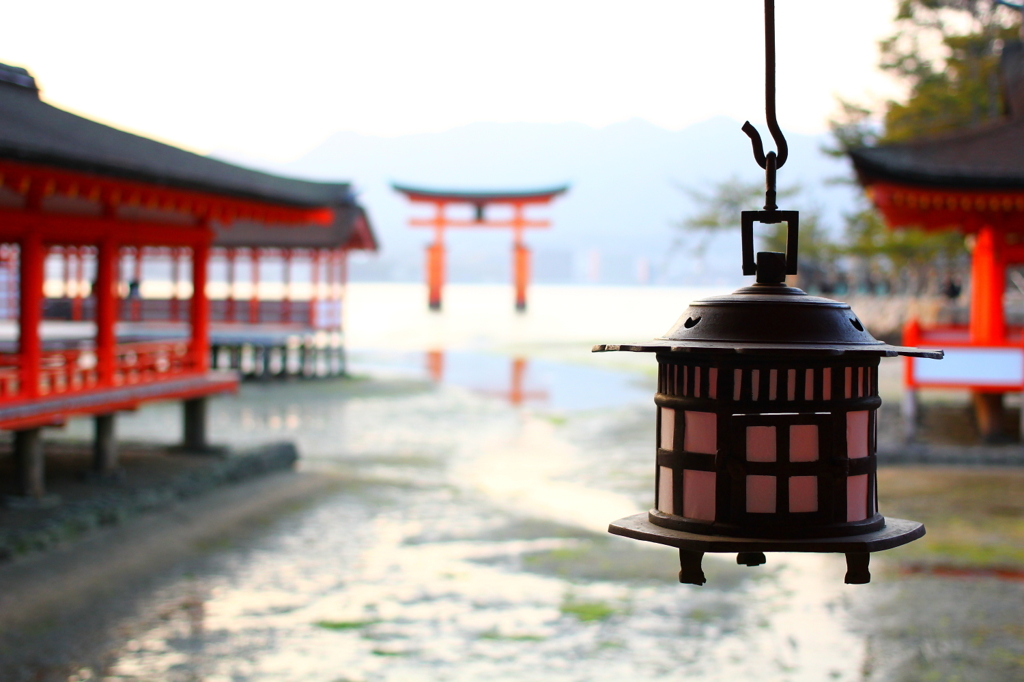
693 546
894 533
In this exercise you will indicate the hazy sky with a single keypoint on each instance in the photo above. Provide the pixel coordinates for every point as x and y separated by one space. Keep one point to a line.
275 79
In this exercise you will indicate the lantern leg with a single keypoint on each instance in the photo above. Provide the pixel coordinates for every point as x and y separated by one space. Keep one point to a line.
751 559
690 571
857 572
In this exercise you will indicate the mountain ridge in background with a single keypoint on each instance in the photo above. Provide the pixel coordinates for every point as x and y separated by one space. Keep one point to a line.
614 226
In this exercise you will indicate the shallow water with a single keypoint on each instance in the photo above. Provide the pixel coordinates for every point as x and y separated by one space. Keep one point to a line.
468 543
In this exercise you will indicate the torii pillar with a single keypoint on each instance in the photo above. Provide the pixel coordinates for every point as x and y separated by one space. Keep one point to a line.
516 201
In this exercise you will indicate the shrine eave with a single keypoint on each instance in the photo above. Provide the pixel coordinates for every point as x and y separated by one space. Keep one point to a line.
34 132
542 195
988 158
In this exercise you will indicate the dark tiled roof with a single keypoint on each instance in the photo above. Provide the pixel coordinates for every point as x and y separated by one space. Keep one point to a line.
991 157
35 132
480 196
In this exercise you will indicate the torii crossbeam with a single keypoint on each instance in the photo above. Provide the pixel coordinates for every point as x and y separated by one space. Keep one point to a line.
480 201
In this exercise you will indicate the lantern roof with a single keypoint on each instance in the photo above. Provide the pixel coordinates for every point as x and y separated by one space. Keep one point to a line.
771 318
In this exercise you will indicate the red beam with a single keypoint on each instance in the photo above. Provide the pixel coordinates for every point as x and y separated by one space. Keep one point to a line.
56 228
47 181
504 224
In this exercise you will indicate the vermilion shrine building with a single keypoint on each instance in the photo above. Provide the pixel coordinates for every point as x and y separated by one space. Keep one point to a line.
973 182
85 212
516 202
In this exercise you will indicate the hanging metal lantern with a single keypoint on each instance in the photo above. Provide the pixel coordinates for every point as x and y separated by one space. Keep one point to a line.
767 413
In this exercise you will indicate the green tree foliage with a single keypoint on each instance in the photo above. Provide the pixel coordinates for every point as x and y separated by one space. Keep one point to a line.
947 54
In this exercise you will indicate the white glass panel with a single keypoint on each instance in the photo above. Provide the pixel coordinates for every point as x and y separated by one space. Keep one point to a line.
699 495
803 443
803 494
857 498
668 428
665 490
701 432
761 444
857 434
761 494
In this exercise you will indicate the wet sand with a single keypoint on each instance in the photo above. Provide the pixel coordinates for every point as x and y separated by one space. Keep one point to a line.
57 608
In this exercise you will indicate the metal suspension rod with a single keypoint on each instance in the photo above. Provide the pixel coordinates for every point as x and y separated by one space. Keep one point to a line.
772 161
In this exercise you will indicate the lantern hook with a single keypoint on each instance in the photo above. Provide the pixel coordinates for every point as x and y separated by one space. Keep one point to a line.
770 268
771 161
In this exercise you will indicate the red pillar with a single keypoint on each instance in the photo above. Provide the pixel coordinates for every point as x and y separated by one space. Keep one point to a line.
988 282
520 259
229 313
200 309
106 311
435 260
30 313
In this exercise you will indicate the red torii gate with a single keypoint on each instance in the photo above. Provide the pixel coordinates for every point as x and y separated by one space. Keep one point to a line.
480 201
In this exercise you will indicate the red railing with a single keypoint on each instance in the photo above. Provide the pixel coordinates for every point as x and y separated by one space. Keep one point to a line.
74 370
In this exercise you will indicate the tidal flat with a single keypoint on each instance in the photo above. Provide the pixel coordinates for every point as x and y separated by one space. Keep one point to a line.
465 540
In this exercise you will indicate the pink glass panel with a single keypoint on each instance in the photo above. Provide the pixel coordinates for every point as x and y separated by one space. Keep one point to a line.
665 490
755 384
857 434
761 494
686 384
699 495
857 498
809 385
713 383
737 383
761 444
826 390
849 382
701 432
668 428
803 494
791 387
860 382
696 382
803 443
773 384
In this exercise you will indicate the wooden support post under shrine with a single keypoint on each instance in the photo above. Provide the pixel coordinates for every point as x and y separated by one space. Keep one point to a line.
30 463
194 422
480 202
104 448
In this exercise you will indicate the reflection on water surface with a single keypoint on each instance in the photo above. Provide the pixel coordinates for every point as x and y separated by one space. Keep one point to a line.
467 543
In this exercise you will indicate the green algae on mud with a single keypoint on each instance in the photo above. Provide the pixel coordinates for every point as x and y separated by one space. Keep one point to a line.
630 561
587 611
974 517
